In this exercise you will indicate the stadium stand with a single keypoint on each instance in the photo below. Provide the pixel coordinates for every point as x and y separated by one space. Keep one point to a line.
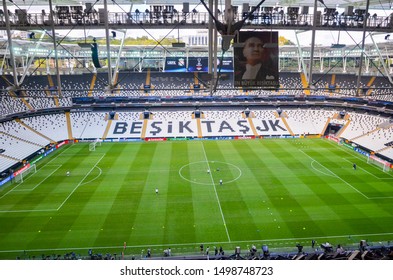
54 126
361 124
88 125
166 85
131 116
40 130
388 152
376 139
75 85
16 148
291 83
6 163
92 125
361 128
264 114
308 121
171 115
14 105
380 90
18 130
222 114
170 85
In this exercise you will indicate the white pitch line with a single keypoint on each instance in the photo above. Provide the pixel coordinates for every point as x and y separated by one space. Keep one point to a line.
9 191
27 211
80 183
215 191
320 171
94 178
61 205
377 177
58 155
15 188
25 190
354 154
265 241
335 175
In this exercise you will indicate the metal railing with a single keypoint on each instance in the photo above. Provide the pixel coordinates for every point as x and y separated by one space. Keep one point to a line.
195 20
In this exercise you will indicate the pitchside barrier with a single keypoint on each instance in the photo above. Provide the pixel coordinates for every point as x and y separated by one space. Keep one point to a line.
371 159
40 157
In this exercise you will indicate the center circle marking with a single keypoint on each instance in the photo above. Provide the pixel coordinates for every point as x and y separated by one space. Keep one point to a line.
206 165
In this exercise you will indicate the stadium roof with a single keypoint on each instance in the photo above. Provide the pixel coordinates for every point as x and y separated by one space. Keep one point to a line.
294 3
374 4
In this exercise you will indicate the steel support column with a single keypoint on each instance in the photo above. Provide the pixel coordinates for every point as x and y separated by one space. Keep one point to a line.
8 30
55 46
365 19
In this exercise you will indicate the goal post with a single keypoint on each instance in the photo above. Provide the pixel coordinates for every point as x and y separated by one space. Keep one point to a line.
94 144
385 165
21 174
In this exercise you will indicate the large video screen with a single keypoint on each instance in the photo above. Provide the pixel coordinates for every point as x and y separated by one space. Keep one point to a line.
201 64
175 64
225 65
256 59
198 64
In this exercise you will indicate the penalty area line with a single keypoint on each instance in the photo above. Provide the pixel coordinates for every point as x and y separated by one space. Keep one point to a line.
338 177
371 174
38 184
80 183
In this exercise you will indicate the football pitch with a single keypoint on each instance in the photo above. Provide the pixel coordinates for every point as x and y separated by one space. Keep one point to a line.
274 191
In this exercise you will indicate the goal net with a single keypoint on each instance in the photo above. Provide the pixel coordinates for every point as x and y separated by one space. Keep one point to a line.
93 145
385 165
24 172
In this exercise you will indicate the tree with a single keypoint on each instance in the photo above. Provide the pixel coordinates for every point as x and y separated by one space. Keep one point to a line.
282 41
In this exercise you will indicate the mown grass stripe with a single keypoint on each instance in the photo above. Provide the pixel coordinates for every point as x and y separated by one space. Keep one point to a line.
122 196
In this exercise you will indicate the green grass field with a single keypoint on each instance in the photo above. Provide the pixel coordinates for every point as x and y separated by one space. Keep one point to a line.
274 192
